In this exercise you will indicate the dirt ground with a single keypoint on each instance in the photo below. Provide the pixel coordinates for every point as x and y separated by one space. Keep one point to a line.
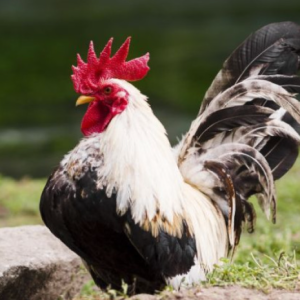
226 293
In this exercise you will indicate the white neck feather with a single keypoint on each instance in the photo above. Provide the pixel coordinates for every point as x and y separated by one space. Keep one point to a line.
139 163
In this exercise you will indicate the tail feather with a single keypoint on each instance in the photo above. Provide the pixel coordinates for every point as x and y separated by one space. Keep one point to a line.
233 172
228 119
273 49
289 83
247 132
239 95
251 89
235 156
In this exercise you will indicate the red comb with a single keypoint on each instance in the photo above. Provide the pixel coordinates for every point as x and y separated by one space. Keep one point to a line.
87 75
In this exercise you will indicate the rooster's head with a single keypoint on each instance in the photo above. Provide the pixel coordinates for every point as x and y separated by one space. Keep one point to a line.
98 82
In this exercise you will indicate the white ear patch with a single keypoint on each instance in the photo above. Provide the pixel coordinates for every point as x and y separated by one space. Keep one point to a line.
121 94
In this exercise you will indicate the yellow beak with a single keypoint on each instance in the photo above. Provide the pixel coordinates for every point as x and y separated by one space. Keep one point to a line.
84 99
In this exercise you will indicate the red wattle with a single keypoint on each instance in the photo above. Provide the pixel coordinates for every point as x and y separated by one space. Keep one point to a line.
99 115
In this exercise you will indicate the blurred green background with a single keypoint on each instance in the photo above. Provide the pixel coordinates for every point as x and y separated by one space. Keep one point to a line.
188 41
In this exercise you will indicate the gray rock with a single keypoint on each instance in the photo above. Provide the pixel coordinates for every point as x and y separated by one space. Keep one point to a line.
34 265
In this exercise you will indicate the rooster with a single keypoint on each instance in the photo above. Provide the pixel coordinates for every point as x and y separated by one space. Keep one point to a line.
140 212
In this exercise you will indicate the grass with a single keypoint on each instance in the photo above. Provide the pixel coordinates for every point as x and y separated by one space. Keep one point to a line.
19 201
267 259
280 272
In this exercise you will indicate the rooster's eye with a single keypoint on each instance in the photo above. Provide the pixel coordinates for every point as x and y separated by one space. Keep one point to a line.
107 90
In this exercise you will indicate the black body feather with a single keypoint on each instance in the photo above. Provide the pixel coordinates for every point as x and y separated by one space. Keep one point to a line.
114 247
